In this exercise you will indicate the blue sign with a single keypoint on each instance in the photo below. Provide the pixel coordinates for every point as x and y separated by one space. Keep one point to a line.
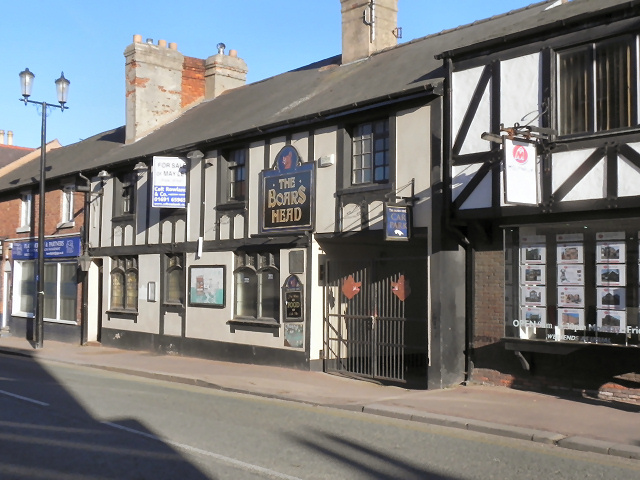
396 223
169 182
53 248
287 194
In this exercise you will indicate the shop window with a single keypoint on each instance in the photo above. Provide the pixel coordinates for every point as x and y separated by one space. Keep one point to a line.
60 291
124 284
174 280
24 288
370 153
256 287
26 205
596 86
124 197
573 284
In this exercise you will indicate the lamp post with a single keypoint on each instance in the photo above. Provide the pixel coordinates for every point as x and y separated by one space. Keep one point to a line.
62 88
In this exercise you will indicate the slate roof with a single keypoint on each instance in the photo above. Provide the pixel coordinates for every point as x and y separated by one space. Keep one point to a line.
10 153
317 91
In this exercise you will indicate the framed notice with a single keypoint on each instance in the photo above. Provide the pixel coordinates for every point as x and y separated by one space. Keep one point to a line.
533 295
570 275
611 252
206 286
611 274
612 321
533 254
570 253
533 317
571 318
611 298
533 274
571 297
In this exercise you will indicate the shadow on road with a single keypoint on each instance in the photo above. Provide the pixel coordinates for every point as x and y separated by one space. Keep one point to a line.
46 434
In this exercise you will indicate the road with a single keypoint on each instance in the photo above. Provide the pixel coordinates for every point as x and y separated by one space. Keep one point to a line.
61 421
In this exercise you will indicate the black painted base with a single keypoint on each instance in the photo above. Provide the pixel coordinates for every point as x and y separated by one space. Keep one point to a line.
209 349
58 332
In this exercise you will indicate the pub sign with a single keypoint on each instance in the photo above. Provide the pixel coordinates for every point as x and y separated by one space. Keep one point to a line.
287 192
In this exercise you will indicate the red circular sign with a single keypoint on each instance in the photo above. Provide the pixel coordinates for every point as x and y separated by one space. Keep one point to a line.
520 154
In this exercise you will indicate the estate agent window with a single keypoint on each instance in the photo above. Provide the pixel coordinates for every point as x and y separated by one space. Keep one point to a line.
124 283
256 286
370 153
597 85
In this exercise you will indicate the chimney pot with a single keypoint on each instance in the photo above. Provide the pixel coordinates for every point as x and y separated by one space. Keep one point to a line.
173 46
150 41
137 39
1 137
233 53
162 43
9 138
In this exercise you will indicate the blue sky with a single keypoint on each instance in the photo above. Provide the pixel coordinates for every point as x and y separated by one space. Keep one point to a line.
86 40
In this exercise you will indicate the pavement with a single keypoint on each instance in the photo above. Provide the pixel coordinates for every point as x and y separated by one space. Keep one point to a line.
573 422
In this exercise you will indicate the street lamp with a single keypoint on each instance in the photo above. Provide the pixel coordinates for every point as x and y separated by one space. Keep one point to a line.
62 88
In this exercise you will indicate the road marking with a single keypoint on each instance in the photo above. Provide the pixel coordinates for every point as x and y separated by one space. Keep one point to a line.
26 399
232 461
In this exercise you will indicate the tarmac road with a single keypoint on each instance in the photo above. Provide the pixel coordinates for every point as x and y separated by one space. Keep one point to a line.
68 421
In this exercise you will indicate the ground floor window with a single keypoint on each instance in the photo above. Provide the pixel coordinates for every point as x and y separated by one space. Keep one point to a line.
60 291
257 281
124 284
174 279
574 282
24 288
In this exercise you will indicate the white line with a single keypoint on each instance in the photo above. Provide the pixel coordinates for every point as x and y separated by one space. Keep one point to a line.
26 399
233 461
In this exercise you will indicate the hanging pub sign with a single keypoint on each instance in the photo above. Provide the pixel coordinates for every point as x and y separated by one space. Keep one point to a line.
169 182
293 299
520 172
287 193
396 223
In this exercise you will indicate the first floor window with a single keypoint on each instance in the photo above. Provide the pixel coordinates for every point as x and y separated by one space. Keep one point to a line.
25 210
124 283
237 174
596 86
257 289
67 205
370 153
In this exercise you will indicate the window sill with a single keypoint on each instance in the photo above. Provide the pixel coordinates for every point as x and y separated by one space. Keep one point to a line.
70 224
123 312
370 187
258 322
231 205
129 217
24 229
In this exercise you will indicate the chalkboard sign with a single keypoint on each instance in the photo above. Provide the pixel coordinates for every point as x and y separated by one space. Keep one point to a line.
293 299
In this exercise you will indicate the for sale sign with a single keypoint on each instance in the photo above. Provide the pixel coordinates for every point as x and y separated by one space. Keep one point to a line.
169 182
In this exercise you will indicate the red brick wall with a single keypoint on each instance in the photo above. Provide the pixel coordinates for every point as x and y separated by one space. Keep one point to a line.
192 80
488 297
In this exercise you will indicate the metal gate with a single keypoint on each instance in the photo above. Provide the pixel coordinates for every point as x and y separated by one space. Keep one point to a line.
376 319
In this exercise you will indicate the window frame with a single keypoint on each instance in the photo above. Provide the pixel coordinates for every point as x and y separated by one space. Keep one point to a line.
591 109
124 197
26 211
59 291
231 174
67 207
18 284
254 266
174 263
363 173
124 266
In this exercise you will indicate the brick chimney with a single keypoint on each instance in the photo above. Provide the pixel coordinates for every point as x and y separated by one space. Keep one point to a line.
161 82
368 26
224 72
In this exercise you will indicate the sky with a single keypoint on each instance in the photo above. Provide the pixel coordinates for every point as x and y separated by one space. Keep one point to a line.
86 39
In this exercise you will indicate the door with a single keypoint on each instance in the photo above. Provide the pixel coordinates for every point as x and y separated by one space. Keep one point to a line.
376 319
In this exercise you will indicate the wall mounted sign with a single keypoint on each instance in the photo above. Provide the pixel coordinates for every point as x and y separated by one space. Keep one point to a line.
396 223
287 193
169 182
520 172
293 299
53 248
